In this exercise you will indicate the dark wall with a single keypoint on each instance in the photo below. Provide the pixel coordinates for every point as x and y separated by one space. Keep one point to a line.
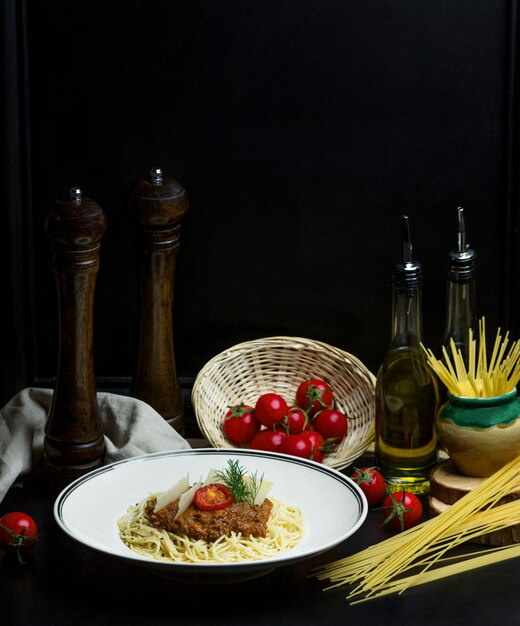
302 131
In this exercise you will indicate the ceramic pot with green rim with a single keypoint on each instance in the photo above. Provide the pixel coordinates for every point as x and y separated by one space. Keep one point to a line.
480 435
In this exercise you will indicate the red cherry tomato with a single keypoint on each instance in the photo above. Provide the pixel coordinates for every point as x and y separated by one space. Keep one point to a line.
18 533
331 424
296 421
313 395
372 484
297 445
402 510
240 423
317 444
214 497
270 409
268 440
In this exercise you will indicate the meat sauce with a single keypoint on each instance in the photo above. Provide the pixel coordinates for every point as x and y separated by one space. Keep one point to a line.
210 525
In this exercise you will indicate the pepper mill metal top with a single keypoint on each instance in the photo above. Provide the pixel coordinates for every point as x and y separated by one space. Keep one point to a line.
158 200
76 220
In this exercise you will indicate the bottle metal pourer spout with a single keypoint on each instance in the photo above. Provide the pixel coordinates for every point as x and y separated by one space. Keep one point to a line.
407 274
407 241
461 232
461 262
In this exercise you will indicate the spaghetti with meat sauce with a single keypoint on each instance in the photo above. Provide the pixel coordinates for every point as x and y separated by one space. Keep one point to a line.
239 517
211 522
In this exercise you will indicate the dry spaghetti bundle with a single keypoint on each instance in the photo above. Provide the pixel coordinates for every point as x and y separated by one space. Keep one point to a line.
421 554
481 377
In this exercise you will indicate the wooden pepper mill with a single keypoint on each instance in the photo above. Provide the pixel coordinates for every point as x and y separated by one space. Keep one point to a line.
74 442
158 205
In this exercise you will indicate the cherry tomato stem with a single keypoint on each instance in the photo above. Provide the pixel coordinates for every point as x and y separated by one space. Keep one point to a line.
18 533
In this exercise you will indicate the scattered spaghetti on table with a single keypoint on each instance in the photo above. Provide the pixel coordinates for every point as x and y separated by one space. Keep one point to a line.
420 554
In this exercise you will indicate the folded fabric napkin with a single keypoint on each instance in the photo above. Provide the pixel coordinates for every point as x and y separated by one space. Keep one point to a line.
131 427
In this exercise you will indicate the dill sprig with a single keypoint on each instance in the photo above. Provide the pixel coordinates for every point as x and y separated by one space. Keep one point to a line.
244 488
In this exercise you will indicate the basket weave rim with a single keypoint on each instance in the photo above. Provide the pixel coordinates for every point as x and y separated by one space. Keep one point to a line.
366 429
289 341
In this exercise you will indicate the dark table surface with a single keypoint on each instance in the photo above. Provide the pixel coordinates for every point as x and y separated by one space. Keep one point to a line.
65 583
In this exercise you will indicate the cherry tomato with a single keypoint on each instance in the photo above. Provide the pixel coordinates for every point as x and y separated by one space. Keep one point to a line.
314 394
214 497
296 421
403 510
268 440
240 423
331 424
270 409
317 443
18 533
372 483
297 445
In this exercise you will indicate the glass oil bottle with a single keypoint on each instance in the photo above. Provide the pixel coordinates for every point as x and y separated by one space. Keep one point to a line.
461 308
407 396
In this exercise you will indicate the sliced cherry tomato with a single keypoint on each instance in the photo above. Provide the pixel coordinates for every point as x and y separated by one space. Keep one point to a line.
214 497
268 440
297 445
331 424
317 443
240 423
313 395
372 483
18 533
402 509
296 421
270 409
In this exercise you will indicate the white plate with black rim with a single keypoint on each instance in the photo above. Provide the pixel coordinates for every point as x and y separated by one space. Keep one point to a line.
333 506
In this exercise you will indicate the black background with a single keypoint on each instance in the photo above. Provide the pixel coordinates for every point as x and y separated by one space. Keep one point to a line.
302 132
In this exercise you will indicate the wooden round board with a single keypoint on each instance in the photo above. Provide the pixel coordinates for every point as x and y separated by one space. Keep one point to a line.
448 485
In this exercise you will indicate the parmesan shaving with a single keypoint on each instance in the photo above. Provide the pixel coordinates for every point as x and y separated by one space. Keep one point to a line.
172 494
212 478
187 498
263 490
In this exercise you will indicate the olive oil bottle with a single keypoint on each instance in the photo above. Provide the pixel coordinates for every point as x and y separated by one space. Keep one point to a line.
407 396
461 308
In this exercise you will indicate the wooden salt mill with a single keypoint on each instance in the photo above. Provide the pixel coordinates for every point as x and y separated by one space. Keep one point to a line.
74 442
158 205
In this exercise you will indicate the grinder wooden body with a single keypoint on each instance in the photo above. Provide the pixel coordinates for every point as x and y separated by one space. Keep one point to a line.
74 442
157 206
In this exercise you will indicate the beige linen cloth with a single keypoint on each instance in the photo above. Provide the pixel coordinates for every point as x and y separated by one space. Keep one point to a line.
131 428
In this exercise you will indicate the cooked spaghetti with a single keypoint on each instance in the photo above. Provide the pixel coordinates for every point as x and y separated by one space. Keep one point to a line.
285 529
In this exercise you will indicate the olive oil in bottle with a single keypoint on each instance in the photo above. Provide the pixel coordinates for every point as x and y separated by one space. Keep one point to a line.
407 395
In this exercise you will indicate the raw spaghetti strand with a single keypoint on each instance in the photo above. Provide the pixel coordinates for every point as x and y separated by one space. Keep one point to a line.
380 568
495 556
480 377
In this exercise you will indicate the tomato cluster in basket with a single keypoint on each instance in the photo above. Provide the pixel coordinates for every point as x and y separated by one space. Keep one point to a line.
309 429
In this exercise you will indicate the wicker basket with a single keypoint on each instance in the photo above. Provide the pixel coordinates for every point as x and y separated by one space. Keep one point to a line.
279 364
